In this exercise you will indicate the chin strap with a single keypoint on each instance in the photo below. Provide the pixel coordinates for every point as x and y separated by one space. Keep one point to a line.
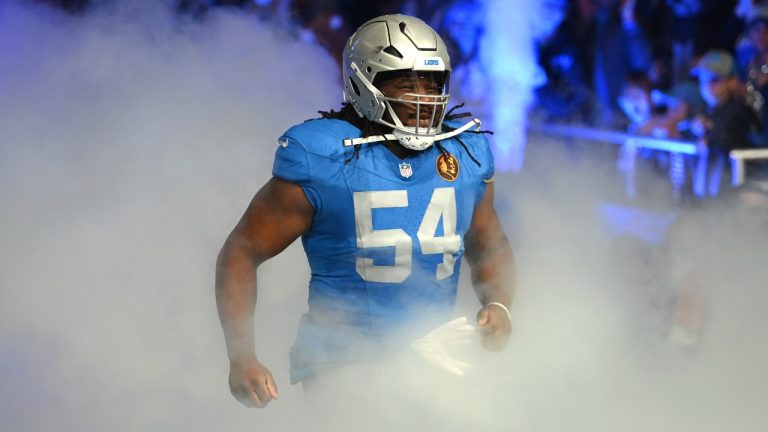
349 142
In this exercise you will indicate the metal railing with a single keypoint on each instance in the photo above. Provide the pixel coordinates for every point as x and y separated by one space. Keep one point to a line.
630 143
615 137
739 160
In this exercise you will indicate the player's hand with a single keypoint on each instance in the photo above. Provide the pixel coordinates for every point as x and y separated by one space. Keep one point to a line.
495 327
251 383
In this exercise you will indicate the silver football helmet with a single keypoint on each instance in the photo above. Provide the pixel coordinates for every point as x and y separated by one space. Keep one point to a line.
404 48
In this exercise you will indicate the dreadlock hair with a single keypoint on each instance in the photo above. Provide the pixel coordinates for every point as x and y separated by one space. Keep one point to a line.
369 128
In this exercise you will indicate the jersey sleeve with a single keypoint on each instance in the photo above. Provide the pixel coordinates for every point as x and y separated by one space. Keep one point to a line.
488 169
293 164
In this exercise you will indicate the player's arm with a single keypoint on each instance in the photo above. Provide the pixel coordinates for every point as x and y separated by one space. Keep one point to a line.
277 215
490 258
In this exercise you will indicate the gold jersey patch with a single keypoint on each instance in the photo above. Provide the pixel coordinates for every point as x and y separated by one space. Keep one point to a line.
447 166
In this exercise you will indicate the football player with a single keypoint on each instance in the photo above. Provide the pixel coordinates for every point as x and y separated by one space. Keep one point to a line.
387 194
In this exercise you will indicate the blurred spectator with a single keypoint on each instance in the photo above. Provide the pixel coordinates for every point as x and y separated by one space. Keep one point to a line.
461 24
685 24
620 48
635 102
325 23
566 96
755 69
596 48
727 124
661 114
719 26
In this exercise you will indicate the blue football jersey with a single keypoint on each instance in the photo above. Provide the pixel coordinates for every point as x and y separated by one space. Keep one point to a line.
386 241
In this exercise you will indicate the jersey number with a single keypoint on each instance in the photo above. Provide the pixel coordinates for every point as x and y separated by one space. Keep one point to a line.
441 205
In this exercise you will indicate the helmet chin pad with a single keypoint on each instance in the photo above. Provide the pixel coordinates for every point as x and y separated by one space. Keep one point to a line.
413 141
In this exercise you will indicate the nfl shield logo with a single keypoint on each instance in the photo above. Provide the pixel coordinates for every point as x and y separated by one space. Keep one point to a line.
406 170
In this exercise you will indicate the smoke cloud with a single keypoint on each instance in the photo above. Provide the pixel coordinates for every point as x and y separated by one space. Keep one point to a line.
131 142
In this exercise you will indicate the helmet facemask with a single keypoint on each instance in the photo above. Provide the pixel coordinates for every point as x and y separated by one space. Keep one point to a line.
415 103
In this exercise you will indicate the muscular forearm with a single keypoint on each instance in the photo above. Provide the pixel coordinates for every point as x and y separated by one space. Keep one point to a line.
236 299
493 273
277 215
489 255
493 277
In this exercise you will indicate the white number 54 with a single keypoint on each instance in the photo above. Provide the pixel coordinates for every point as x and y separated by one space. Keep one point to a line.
441 205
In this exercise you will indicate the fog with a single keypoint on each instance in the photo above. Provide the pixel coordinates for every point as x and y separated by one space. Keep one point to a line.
130 144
